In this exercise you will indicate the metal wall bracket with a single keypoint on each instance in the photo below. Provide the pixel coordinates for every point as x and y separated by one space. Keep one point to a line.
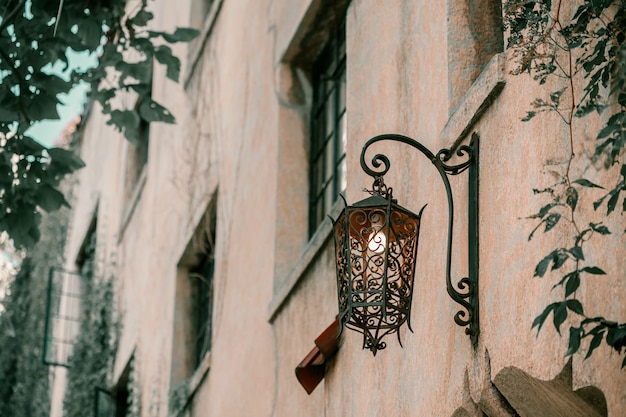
465 292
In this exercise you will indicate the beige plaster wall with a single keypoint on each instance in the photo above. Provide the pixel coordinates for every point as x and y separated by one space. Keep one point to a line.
236 116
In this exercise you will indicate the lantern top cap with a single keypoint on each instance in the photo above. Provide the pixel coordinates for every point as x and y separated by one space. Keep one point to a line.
374 200
381 195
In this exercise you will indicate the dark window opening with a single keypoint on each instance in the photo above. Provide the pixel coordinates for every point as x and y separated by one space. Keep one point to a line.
193 306
201 279
328 128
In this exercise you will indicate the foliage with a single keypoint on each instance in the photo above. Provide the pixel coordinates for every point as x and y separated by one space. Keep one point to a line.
24 378
95 346
37 36
590 47
10 260
24 381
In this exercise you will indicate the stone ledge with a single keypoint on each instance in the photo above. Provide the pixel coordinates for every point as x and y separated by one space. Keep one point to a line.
130 207
474 103
193 384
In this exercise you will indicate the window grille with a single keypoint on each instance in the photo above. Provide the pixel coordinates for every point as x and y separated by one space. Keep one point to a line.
328 128
63 314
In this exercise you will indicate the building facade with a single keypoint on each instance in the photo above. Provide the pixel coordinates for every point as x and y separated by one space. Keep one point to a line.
215 230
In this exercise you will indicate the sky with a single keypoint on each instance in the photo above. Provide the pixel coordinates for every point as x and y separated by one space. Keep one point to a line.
48 132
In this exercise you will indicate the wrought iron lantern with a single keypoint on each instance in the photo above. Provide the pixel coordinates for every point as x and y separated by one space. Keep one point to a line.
376 251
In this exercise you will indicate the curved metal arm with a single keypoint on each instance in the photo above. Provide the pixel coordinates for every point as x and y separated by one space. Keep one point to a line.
467 293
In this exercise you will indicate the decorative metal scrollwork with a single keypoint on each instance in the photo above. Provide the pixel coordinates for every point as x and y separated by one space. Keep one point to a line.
465 292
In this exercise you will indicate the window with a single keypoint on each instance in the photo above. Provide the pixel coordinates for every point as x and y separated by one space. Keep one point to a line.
328 128
193 312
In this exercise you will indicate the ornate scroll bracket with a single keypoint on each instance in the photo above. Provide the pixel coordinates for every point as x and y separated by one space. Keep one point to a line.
465 292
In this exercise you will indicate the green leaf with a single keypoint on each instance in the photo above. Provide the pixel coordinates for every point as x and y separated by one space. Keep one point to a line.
587 183
595 342
111 56
50 199
565 278
50 83
32 147
104 95
540 319
575 306
124 120
142 17
180 35
545 209
140 71
610 205
42 106
559 259
572 197
572 284
593 270
616 336
559 316
90 31
603 230
577 252
63 158
151 111
551 221
140 88
529 115
164 55
542 266
574 340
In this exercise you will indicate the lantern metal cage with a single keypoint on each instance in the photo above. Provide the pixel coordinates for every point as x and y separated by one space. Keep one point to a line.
376 248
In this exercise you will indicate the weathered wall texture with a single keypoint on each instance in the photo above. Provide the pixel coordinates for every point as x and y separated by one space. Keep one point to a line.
241 138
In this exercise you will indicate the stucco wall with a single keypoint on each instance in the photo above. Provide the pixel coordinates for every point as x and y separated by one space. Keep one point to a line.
242 136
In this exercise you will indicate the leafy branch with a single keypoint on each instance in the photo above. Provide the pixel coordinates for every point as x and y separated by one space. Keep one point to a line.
591 46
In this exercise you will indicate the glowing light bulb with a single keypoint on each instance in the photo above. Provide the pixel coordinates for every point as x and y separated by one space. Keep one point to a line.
377 242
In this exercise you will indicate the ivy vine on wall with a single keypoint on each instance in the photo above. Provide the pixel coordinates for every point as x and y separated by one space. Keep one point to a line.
582 50
96 344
